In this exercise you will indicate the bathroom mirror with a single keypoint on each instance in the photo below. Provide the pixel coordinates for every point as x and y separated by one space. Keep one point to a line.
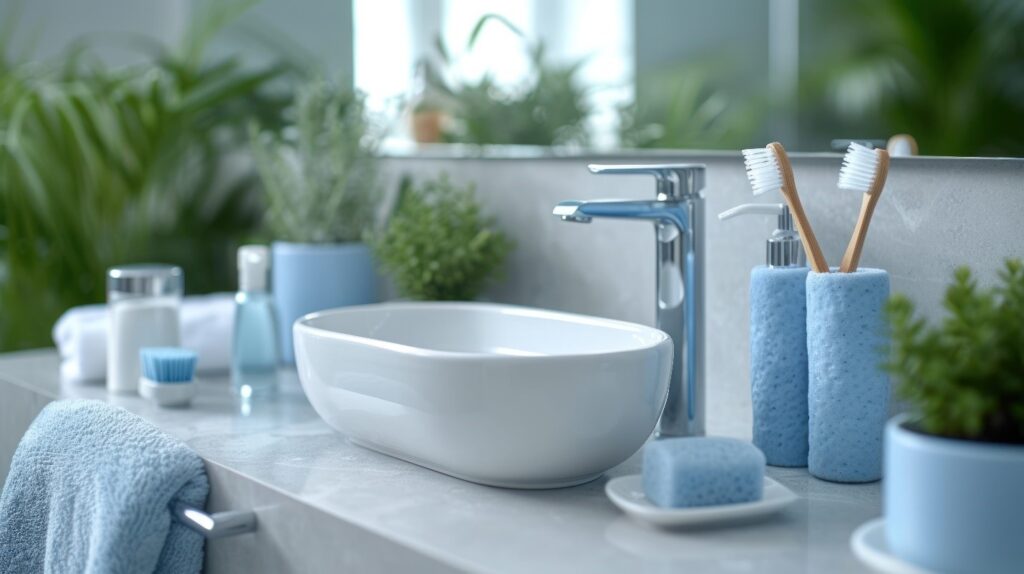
697 74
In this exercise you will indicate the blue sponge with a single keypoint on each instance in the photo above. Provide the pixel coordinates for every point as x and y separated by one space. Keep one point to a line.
702 471
168 364
848 393
778 363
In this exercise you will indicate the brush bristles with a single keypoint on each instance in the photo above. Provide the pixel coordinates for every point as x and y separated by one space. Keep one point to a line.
762 170
168 364
859 169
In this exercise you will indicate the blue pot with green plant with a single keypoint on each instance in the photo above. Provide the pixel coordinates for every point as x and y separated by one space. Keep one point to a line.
322 193
954 465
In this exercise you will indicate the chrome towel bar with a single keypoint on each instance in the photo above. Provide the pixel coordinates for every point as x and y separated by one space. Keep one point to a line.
218 524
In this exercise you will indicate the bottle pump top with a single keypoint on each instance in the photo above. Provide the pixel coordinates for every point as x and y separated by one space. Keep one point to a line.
783 248
253 264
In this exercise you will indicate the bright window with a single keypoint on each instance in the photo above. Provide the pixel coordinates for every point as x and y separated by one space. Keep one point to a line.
392 35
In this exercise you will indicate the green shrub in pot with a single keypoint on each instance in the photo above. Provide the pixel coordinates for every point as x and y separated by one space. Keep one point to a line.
439 245
955 464
322 196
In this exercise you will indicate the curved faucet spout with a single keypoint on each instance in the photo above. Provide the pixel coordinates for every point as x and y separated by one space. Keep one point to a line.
660 211
678 214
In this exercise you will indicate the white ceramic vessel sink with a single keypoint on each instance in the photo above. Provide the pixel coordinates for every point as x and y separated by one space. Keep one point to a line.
500 395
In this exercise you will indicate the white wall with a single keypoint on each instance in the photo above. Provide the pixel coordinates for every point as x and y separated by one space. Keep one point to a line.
52 25
314 31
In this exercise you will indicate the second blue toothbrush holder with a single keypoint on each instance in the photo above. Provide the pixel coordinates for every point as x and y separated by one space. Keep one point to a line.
848 392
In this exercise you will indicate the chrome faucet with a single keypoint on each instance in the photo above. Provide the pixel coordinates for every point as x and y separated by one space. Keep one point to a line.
678 216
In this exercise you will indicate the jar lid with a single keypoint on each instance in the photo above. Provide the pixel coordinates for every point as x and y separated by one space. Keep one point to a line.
146 280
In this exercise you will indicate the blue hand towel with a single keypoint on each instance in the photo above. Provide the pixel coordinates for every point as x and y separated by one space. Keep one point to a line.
91 489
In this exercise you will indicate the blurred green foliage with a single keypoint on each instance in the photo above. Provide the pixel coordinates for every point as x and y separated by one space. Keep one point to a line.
682 108
438 244
102 166
321 178
549 108
950 73
965 376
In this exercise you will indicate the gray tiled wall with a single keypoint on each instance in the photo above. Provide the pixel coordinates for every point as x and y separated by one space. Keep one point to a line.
936 213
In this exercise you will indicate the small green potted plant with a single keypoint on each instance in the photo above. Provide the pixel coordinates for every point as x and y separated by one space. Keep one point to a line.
322 193
954 465
438 245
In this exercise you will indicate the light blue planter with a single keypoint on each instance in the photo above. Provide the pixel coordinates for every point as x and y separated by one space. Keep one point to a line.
954 505
313 277
847 391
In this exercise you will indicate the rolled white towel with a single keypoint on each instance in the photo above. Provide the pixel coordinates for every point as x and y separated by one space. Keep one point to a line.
207 327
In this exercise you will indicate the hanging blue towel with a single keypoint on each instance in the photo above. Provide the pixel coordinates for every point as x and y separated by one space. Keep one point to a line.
91 489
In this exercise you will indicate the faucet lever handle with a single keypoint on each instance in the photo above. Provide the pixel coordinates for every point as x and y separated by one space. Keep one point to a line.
674 179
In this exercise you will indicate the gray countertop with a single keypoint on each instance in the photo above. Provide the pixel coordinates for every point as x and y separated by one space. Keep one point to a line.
282 444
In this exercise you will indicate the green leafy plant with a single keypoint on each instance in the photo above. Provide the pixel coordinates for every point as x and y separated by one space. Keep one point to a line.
438 245
965 376
950 73
681 108
102 166
322 185
549 108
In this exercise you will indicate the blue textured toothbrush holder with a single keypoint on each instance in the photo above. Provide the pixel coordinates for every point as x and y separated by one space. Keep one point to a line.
848 392
778 363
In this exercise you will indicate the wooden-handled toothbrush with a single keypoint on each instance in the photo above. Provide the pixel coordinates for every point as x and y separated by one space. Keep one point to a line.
864 169
768 169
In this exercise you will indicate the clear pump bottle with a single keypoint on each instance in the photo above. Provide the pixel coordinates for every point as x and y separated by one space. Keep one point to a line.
254 357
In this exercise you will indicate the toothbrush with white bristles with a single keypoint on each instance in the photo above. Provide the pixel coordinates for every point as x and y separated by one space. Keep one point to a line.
768 169
864 170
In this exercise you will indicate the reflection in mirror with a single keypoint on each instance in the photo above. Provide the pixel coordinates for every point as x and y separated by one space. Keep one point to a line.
706 74
526 72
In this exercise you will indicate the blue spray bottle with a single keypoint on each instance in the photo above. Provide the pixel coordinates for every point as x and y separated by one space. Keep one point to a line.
778 341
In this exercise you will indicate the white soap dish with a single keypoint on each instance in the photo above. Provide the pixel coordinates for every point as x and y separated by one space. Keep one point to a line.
627 492
870 546
167 394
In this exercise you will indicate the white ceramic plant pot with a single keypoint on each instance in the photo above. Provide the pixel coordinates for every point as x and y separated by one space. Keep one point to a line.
953 505
309 277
